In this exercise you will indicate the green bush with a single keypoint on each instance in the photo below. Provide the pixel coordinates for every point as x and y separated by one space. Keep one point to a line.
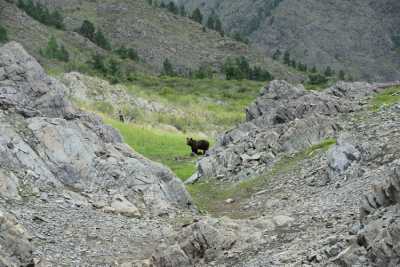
3 34
197 16
125 53
317 79
88 30
42 14
55 51
239 69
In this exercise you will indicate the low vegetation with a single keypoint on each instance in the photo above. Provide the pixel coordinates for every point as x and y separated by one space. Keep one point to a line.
3 34
55 51
166 147
386 98
210 195
42 14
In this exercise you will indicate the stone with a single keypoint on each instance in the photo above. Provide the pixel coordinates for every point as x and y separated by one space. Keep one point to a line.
282 220
122 206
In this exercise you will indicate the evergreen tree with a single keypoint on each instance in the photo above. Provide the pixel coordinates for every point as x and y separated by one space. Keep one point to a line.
114 67
87 30
102 41
132 54
328 72
98 63
63 54
197 16
230 69
41 13
218 26
277 55
211 22
3 34
286 58
317 79
314 70
172 8
51 50
57 20
54 51
168 69
342 75
182 11
244 68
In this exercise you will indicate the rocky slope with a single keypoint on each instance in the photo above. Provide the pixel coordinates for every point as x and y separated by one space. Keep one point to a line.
155 33
60 166
356 36
333 201
72 193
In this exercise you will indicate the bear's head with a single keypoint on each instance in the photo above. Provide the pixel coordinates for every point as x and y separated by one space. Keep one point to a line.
189 141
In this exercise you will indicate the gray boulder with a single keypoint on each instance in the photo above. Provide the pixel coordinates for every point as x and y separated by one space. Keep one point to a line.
15 246
341 156
47 143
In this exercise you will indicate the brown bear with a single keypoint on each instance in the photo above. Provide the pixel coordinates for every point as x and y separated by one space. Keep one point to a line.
198 145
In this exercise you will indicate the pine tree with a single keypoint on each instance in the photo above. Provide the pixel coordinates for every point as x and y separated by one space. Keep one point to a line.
132 54
197 16
102 41
218 26
328 72
168 69
52 48
87 30
63 54
286 58
3 34
57 20
98 63
172 8
277 55
342 75
182 11
211 22
314 70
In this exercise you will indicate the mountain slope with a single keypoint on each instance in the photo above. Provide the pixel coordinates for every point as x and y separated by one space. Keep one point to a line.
155 33
356 36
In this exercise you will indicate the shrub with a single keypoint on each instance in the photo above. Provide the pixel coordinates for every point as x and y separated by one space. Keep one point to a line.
125 53
197 16
54 51
317 79
3 34
42 14
168 69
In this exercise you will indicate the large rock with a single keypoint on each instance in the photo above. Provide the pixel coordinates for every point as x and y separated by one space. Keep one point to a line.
15 246
283 119
46 142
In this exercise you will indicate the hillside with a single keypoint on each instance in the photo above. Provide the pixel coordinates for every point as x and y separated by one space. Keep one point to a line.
154 33
313 182
360 37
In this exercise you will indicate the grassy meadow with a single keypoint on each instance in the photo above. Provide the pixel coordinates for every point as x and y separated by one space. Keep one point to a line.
205 108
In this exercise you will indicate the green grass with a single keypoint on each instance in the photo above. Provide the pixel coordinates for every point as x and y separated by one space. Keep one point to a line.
166 147
386 98
208 104
209 196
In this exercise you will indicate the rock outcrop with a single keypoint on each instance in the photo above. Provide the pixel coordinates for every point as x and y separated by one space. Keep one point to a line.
15 246
52 153
284 119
